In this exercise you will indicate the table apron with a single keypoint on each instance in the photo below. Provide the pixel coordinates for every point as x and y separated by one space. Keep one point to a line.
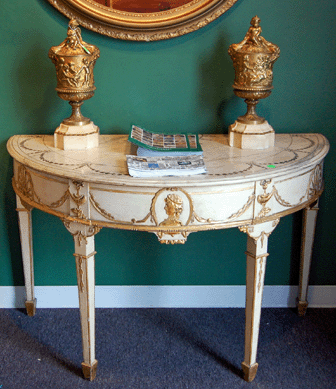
169 210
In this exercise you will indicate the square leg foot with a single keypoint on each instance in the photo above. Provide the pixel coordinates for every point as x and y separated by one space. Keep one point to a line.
90 371
250 371
30 307
302 307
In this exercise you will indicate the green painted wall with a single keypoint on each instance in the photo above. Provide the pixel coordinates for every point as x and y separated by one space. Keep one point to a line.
180 84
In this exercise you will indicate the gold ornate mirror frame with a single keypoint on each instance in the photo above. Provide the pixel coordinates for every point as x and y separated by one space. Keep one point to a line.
171 18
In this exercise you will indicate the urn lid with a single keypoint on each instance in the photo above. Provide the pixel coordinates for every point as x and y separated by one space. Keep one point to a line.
74 45
74 60
253 42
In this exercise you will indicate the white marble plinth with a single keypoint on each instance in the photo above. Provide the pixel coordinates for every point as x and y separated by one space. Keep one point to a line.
76 137
251 136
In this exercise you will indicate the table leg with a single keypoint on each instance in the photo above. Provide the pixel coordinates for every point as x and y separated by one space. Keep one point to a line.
256 255
84 253
86 292
308 233
25 227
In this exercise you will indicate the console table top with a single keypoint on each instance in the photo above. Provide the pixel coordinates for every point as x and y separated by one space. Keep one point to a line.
225 164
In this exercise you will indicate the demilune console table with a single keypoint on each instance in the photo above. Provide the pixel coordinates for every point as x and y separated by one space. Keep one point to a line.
248 189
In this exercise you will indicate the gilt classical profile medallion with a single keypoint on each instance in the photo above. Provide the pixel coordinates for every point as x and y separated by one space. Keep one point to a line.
173 208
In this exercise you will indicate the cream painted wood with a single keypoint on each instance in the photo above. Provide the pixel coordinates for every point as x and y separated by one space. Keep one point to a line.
91 189
85 266
308 233
256 255
26 237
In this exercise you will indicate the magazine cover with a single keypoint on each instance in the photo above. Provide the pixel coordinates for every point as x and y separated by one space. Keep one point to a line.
164 142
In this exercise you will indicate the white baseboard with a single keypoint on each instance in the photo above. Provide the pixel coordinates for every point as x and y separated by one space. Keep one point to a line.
167 296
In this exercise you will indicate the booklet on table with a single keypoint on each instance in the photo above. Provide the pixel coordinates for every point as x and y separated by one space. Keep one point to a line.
165 154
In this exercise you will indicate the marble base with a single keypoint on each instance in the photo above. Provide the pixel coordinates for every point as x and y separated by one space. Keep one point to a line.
251 136
68 137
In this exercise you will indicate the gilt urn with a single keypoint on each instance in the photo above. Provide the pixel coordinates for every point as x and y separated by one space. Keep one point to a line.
74 61
253 60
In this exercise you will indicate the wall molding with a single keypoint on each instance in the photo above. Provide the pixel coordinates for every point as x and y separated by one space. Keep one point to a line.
319 296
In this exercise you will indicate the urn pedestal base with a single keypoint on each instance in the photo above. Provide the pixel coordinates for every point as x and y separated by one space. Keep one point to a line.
69 137
251 136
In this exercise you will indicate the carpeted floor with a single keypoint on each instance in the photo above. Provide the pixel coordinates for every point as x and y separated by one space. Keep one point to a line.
167 349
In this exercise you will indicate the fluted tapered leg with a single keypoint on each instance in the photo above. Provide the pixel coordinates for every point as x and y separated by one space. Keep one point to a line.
256 255
308 233
25 227
85 265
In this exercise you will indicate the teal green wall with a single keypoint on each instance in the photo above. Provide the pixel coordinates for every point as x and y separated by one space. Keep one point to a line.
183 84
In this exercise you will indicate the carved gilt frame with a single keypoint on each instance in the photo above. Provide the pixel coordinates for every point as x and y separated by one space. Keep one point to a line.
143 26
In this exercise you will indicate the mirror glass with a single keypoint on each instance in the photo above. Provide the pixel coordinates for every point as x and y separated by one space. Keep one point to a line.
142 6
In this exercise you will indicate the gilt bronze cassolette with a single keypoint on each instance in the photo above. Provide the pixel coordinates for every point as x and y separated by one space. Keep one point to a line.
74 60
253 60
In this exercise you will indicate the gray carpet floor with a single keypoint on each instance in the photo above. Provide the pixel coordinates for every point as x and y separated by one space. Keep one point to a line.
167 349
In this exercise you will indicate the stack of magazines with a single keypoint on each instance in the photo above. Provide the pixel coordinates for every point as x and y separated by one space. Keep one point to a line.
165 154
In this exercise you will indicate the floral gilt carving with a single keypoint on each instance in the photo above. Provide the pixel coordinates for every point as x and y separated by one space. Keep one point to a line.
264 198
81 232
25 184
259 231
